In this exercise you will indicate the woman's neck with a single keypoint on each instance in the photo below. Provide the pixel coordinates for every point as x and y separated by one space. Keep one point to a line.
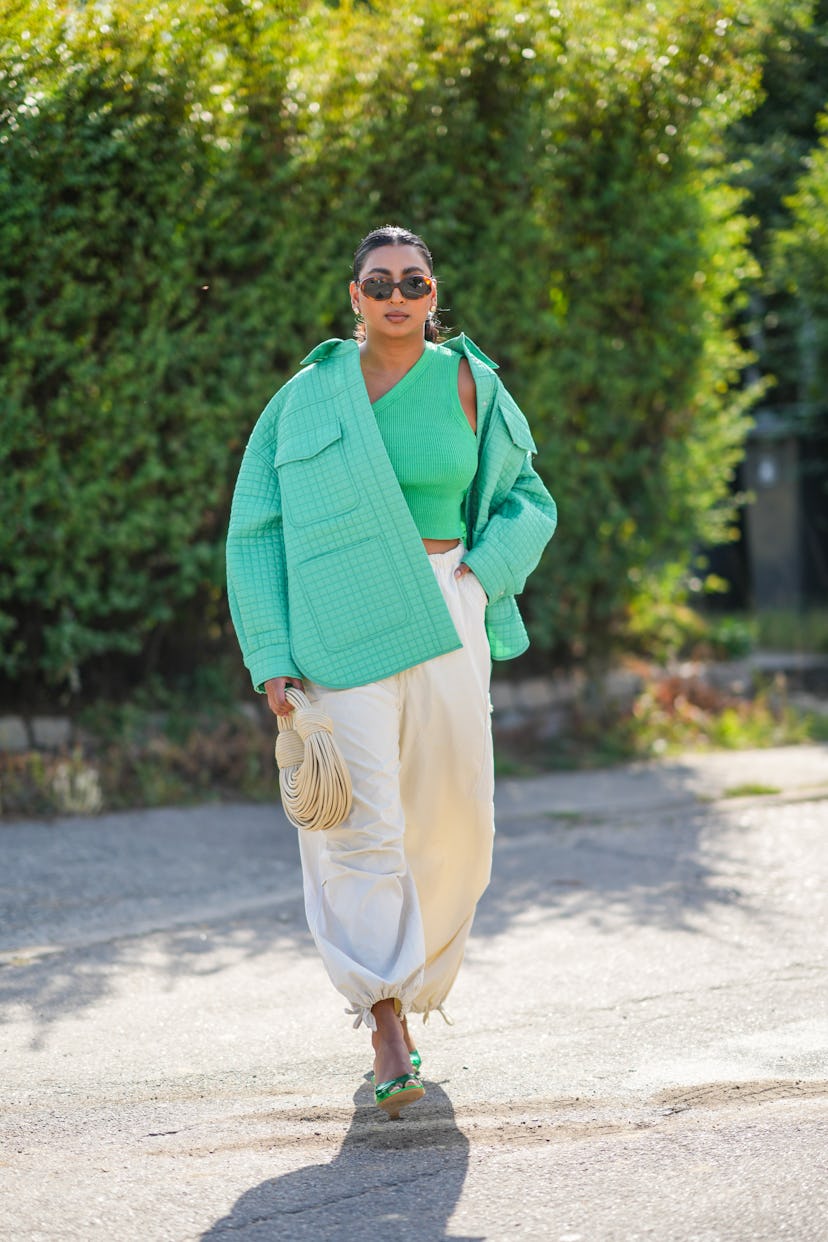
390 357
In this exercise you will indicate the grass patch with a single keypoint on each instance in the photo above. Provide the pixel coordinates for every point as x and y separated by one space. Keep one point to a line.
748 790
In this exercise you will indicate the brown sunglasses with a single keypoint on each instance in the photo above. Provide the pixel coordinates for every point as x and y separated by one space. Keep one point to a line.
380 288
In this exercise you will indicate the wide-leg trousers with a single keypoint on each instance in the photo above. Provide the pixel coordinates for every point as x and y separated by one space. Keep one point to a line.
390 894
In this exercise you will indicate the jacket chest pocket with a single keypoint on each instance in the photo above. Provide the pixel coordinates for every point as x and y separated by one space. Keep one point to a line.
314 478
516 446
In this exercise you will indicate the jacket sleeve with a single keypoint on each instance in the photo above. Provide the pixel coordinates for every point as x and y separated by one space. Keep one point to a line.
256 570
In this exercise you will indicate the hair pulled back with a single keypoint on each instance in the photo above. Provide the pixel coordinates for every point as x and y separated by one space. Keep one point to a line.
394 235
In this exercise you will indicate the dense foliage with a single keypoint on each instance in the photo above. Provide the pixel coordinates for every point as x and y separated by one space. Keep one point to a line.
772 147
181 187
802 269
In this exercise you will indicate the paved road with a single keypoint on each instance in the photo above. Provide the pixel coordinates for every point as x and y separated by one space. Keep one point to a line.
640 1048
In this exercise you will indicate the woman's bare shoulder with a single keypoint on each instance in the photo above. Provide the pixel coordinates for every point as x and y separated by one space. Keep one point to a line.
468 392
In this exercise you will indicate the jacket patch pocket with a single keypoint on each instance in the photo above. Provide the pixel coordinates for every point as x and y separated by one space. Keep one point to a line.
313 475
353 595
516 423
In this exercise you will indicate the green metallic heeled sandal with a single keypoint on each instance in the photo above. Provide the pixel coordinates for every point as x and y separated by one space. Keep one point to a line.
397 1093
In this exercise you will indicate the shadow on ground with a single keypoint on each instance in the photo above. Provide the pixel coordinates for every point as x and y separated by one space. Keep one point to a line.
111 881
373 1187
670 870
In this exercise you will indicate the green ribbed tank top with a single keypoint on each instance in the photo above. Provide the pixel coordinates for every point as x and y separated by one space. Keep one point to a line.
430 442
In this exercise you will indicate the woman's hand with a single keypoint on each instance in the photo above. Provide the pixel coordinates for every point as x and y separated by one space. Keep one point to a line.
463 569
275 689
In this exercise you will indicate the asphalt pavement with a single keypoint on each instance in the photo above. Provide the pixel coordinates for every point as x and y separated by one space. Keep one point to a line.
639 1048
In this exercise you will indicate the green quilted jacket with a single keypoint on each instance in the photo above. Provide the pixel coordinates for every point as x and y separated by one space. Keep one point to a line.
327 575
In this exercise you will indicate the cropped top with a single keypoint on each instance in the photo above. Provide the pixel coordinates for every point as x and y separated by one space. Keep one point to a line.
430 442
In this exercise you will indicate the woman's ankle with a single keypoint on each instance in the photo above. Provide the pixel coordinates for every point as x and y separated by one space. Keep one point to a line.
391 1053
386 1015
389 1028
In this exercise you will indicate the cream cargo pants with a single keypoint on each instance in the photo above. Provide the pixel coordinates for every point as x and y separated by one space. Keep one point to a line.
390 894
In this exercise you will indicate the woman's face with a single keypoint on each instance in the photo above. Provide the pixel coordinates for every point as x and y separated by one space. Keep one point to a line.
398 316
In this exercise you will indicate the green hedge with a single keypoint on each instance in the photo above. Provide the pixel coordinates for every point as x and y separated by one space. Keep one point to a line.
801 269
181 187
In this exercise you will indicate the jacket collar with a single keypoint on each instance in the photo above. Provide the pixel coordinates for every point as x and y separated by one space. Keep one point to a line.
462 344
465 345
327 348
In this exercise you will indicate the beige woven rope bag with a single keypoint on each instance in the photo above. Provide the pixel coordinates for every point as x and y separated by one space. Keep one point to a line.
313 776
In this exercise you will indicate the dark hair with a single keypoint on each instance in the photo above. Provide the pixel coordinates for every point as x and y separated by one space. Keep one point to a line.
393 235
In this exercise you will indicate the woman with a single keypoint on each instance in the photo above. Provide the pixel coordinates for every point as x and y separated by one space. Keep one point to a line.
386 514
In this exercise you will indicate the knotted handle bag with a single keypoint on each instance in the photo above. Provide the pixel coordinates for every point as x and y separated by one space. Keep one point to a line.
313 776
